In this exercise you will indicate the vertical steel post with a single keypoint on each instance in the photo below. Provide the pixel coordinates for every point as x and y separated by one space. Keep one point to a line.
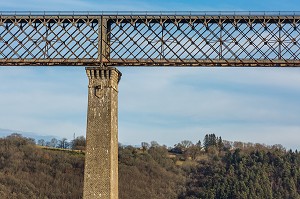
100 39
103 40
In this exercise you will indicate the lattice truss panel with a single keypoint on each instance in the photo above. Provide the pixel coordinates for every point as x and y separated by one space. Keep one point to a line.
150 40
48 40
205 40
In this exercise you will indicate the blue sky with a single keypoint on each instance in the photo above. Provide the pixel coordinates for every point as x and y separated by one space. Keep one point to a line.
163 104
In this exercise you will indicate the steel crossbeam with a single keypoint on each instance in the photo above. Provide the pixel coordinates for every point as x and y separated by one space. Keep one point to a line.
150 39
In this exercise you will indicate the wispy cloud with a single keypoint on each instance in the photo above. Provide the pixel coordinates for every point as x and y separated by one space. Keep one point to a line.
43 100
219 100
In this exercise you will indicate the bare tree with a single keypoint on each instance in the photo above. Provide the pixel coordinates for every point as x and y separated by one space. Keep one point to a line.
41 142
63 143
145 146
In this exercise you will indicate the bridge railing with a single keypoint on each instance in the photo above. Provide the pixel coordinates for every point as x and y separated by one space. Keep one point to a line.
150 13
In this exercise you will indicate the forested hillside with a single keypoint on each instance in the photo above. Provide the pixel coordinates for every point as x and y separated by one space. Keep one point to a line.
28 171
215 169
252 174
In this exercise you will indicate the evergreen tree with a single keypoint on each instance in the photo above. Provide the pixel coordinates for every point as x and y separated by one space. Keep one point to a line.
206 142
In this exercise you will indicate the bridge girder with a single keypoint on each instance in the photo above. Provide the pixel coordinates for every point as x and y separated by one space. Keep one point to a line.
150 39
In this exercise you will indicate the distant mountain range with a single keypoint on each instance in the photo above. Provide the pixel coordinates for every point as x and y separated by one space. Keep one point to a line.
6 132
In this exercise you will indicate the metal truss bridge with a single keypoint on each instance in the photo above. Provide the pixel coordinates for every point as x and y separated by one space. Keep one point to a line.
150 38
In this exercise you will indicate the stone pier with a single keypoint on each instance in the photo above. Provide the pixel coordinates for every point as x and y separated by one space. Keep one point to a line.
101 159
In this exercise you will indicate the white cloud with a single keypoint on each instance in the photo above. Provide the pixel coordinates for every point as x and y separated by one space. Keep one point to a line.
43 100
179 98
155 102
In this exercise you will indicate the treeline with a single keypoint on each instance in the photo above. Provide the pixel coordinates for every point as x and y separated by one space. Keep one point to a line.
77 143
244 170
208 169
27 171
149 173
30 171
251 174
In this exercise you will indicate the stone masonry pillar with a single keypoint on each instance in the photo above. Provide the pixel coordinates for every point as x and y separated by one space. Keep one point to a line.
101 158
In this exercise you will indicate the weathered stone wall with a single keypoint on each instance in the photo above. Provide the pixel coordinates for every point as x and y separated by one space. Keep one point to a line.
101 162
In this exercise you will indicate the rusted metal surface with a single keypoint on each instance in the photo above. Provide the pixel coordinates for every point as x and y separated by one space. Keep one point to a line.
150 38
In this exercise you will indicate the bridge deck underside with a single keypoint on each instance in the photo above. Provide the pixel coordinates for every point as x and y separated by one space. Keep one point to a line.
150 40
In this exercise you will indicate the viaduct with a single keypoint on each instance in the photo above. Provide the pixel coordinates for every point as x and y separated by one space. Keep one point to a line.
100 41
